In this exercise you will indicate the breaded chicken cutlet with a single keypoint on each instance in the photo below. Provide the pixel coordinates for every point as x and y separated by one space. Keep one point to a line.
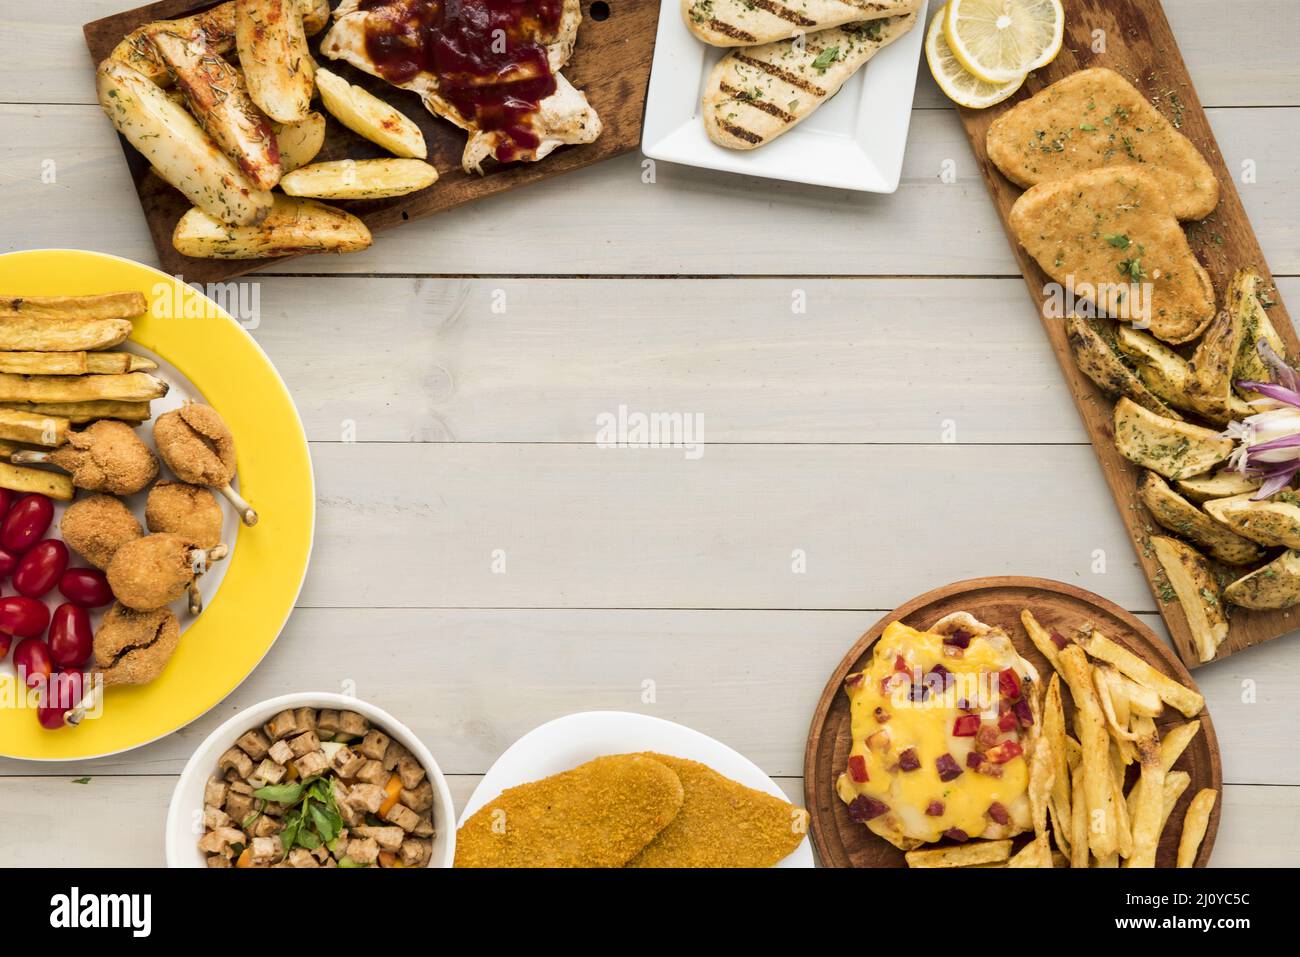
722 823
97 526
1109 235
1095 118
599 814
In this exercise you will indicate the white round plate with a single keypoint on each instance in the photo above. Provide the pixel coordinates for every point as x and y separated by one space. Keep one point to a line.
577 738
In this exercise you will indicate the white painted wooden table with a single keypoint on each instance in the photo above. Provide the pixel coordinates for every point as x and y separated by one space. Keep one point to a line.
475 432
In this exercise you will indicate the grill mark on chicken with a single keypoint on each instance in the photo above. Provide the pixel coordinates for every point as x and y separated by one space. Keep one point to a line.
785 13
727 30
784 75
769 108
740 132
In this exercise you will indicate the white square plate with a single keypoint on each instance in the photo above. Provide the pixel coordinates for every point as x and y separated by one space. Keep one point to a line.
855 141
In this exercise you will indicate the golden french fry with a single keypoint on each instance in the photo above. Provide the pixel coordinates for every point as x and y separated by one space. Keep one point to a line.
130 387
1175 743
73 363
54 485
1099 790
1140 701
19 333
1118 725
1195 822
80 412
1042 778
1110 860
1146 814
1073 752
32 428
960 855
108 305
1078 822
1170 691
1176 782
1054 732
1123 826
1041 638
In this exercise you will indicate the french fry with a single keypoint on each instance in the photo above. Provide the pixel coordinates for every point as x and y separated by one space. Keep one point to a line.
81 412
1054 732
1078 822
1170 691
1042 778
74 363
108 305
1110 860
1146 813
1099 791
1175 742
1195 822
22 333
1123 826
1141 701
1073 752
960 855
1176 782
32 428
53 485
129 387
1041 638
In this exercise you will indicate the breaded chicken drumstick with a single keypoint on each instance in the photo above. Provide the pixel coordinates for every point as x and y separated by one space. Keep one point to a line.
154 571
106 457
196 444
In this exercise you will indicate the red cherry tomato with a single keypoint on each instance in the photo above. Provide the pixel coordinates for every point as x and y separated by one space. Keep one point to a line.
87 587
5 642
26 522
22 616
32 661
63 693
8 562
70 635
41 568
6 499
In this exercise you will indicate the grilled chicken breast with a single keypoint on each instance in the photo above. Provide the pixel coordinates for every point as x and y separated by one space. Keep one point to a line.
1096 118
756 94
562 117
738 23
1110 236
215 93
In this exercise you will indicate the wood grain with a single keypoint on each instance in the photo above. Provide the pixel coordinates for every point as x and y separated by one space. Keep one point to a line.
611 64
995 601
1140 45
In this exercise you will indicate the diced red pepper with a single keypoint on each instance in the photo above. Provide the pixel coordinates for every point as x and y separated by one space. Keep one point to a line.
864 808
974 759
1009 684
1007 722
956 834
999 813
900 664
987 737
858 768
966 726
934 809
947 767
908 760
1024 713
1004 752
1060 640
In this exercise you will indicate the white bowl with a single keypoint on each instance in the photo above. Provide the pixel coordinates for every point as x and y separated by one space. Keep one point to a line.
185 815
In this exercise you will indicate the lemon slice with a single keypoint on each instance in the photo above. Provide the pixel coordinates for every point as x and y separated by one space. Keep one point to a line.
960 86
1000 40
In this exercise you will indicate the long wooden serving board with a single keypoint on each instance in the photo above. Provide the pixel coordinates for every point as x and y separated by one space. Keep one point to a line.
1134 39
995 601
611 64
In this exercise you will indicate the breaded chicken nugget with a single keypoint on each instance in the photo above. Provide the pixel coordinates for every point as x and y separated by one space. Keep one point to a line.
97 526
600 814
723 823
190 511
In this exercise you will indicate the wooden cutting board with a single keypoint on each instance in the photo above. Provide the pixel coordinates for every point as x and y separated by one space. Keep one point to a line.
995 601
1139 45
610 63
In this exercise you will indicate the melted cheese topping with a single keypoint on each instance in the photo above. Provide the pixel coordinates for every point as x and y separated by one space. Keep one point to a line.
927 727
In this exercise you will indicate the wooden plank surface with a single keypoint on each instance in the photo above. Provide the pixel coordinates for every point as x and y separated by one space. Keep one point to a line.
611 65
1140 45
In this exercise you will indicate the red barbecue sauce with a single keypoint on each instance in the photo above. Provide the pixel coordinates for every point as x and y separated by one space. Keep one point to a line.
487 56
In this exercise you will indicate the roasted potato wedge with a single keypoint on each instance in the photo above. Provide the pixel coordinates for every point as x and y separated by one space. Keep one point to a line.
299 142
97 308
1272 521
294 226
1168 447
1193 583
1223 484
1276 585
367 115
81 412
1181 517
215 94
129 387
181 153
1091 341
1209 384
1166 373
214 27
1243 298
360 179
273 53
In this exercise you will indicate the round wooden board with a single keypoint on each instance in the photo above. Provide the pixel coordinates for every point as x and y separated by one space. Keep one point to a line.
995 601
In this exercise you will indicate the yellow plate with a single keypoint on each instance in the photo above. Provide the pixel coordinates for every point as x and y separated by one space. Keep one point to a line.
223 645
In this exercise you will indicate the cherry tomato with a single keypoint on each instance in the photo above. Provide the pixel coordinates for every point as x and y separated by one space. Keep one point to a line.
32 661
5 642
41 568
87 587
8 562
24 617
25 522
6 499
63 693
70 635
